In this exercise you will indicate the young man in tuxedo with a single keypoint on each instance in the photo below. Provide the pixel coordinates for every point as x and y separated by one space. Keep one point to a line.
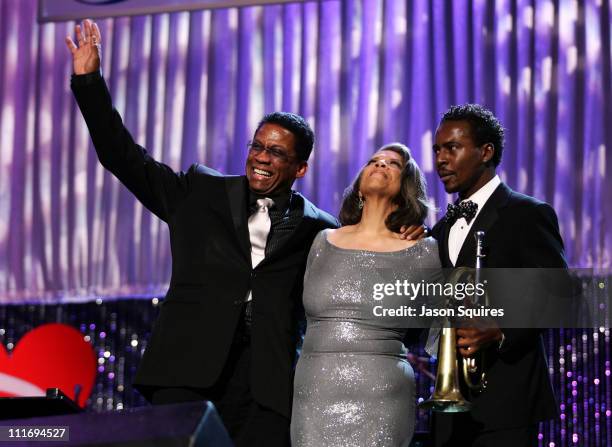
520 232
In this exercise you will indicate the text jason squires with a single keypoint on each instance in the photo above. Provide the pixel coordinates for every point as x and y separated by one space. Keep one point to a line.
413 290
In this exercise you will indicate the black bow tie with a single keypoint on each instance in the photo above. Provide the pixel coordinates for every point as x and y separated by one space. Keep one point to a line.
466 209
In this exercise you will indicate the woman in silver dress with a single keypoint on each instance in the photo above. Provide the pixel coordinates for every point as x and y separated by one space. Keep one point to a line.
353 384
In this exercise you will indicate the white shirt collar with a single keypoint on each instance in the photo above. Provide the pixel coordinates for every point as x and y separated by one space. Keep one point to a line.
481 196
459 230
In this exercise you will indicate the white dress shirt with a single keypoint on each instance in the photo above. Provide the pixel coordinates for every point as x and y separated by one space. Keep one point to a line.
460 229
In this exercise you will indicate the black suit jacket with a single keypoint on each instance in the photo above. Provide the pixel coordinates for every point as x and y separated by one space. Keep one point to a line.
211 265
520 232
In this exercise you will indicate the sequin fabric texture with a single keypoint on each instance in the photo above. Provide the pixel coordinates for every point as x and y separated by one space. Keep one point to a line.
353 385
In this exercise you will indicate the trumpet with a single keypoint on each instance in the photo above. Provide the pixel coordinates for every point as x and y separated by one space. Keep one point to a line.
447 396
473 374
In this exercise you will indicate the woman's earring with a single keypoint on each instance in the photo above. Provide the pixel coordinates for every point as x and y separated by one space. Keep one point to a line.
360 201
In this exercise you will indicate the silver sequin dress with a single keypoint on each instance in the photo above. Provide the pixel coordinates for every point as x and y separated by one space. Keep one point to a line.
353 385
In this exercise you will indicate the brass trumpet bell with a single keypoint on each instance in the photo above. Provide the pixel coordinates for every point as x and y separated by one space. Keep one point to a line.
447 397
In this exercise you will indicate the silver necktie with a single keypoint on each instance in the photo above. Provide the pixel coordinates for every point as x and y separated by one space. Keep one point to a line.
259 228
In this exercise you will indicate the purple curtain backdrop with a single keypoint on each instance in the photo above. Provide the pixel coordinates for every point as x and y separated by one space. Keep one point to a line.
192 86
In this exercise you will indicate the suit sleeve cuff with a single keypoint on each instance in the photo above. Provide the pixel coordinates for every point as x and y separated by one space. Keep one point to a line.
86 79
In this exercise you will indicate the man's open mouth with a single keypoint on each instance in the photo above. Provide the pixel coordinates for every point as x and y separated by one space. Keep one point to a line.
262 172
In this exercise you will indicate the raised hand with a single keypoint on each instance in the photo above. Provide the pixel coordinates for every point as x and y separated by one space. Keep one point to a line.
85 57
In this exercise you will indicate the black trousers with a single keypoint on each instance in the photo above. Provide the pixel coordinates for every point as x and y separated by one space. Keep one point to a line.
454 430
247 422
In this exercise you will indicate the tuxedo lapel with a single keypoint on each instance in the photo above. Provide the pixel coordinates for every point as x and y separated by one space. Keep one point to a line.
310 216
484 221
440 233
236 189
301 230
446 262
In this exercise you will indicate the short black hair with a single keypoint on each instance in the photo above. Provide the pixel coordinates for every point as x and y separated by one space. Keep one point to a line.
484 126
304 136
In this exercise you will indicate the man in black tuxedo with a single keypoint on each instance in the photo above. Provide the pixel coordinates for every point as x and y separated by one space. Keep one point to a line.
520 232
227 329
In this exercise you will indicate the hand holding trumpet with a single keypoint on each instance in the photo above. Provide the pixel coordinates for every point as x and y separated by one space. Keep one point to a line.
470 340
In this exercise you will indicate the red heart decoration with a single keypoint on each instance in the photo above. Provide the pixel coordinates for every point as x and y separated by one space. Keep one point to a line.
49 356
